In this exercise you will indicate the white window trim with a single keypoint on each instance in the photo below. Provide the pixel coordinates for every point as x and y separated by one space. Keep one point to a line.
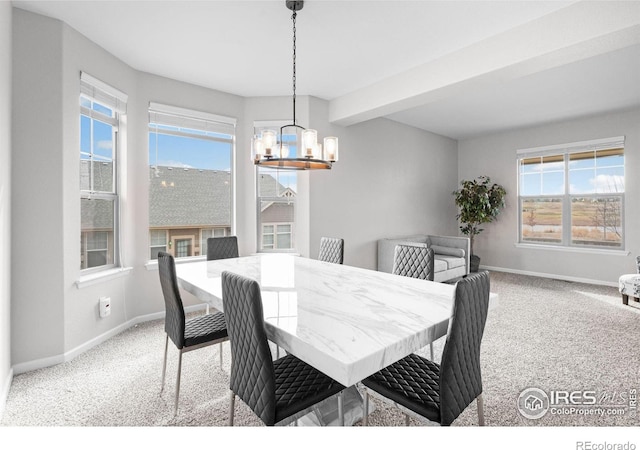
565 150
102 276
103 93
563 248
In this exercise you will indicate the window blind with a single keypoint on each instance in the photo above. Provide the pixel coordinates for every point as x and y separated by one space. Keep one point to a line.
573 147
103 93
187 118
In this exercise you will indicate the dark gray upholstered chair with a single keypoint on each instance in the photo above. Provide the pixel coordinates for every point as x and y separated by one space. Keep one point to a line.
331 250
279 391
190 334
441 392
222 247
414 261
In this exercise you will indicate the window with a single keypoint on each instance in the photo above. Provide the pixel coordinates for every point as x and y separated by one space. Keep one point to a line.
102 108
190 179
277 236
158 240
573 195
276 201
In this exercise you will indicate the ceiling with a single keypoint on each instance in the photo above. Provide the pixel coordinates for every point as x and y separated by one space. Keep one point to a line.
456 68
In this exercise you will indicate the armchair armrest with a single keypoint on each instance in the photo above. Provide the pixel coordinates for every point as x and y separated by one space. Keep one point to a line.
460 242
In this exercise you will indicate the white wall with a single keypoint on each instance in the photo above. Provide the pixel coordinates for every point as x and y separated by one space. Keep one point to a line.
37 306
390 180
495 156
5 201
52 320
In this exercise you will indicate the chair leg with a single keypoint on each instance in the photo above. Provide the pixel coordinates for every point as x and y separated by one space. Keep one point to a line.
365 412
220 355
340 410
625 299
406 420
480 402
164 364
175 410
431 350
232 404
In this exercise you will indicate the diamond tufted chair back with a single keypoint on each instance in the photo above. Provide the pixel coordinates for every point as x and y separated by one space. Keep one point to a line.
331 250
222 247
415 261
174 322
460 377
252 372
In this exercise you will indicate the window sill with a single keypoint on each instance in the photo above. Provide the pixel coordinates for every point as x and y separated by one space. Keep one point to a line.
153 264
557 248
100 277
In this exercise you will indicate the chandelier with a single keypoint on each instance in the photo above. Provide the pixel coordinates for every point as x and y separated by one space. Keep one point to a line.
271 149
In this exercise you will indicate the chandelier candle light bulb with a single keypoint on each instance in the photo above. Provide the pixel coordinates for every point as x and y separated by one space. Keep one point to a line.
331 148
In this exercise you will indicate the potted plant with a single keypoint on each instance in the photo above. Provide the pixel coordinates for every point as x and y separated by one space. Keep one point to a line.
479 202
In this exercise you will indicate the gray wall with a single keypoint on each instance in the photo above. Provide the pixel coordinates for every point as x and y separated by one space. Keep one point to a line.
52 320
37 309
495 156
5 201
390 180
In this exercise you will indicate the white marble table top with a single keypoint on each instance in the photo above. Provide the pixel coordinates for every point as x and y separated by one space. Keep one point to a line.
345 321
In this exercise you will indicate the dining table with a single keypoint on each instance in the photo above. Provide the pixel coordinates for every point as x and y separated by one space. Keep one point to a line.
348 322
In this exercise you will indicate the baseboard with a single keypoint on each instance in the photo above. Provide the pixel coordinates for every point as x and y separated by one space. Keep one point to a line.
71 354
4 393
551 276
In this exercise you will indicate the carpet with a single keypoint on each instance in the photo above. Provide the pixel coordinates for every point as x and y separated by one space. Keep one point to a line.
557 336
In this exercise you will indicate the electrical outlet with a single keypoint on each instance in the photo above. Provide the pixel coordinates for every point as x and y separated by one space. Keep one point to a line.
105 306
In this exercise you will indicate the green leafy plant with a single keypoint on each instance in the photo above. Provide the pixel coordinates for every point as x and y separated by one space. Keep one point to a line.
479 202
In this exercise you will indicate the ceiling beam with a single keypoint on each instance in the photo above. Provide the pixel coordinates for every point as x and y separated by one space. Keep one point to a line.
581 30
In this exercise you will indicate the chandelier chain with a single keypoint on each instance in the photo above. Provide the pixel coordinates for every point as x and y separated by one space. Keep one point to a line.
293 18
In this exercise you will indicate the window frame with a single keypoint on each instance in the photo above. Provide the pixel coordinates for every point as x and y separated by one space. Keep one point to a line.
258 126
98 92
567 197
214 128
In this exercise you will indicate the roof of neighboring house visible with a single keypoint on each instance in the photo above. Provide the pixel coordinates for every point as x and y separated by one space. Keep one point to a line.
188 197
178 197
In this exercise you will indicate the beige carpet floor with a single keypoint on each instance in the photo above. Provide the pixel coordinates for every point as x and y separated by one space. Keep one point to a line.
549 334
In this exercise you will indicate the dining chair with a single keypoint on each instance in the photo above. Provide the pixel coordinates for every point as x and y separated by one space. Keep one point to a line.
415 261
440 392
331 250
222 247
186 334
281 391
